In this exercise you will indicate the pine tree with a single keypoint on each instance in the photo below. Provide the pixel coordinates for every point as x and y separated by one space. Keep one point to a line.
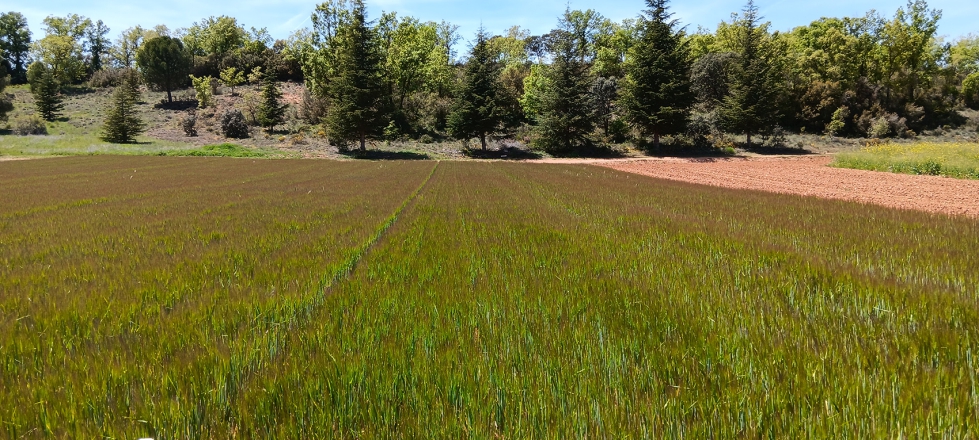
565 121
356 92
122 122
47 93
270 111
657 96
751 104
476 112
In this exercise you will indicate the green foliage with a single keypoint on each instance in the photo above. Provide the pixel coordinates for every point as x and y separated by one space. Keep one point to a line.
535 86
6 104
98 46
356 92
565 122
838 123
46 91
203 90
63 48
271 111
122 121
416 64
233 124
232 77
970 90
215 35
15 45
476 113
709 77
657 96
964 54
164 63
123 52
751 105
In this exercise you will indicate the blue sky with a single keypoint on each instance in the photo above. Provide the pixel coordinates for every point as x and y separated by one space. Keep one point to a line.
284 16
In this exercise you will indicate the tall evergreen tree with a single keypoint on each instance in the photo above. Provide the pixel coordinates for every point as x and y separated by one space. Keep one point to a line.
271 112
752 101
47 92
657 95
565 120
476 110
356 93
122 122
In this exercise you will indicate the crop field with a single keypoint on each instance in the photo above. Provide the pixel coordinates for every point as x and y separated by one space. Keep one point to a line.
235 298
952 159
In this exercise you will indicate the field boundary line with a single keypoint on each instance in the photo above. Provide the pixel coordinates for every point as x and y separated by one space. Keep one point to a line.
351 264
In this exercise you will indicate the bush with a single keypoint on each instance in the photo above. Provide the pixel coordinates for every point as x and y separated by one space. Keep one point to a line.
108 78
233 124
30 125
970 91
204 90
189 125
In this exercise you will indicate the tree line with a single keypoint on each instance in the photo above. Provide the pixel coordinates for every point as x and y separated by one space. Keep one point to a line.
588 82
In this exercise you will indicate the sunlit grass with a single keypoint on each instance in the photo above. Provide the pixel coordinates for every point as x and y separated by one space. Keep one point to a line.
960 160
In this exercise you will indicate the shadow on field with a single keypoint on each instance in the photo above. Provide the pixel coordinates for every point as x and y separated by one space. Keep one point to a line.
781 151
504 153
176 105
385 155
596 151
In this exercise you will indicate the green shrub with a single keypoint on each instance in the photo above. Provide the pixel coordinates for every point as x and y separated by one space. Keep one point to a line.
204 90
189 125
233 124
30 125
221 150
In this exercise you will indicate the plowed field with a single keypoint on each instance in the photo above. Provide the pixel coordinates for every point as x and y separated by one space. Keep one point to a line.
811 176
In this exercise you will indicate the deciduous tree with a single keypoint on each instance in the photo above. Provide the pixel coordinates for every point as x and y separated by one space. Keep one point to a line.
15 45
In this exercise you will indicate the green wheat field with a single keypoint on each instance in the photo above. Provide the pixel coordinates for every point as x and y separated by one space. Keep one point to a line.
216 298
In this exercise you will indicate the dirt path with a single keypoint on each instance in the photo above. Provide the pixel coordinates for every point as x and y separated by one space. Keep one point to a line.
811 176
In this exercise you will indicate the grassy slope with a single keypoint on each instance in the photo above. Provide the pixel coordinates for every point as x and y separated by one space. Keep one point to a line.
508 299
959 160
77 132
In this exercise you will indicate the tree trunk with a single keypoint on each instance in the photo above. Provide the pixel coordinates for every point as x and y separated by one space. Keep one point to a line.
169 96
363 142
749 141
656 140
482 140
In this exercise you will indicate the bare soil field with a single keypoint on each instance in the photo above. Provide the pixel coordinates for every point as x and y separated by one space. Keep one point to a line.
812 176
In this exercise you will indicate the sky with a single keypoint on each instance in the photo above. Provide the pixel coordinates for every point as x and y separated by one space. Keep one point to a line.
282 17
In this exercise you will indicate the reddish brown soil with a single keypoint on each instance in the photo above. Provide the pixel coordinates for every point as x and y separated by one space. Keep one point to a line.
811 176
